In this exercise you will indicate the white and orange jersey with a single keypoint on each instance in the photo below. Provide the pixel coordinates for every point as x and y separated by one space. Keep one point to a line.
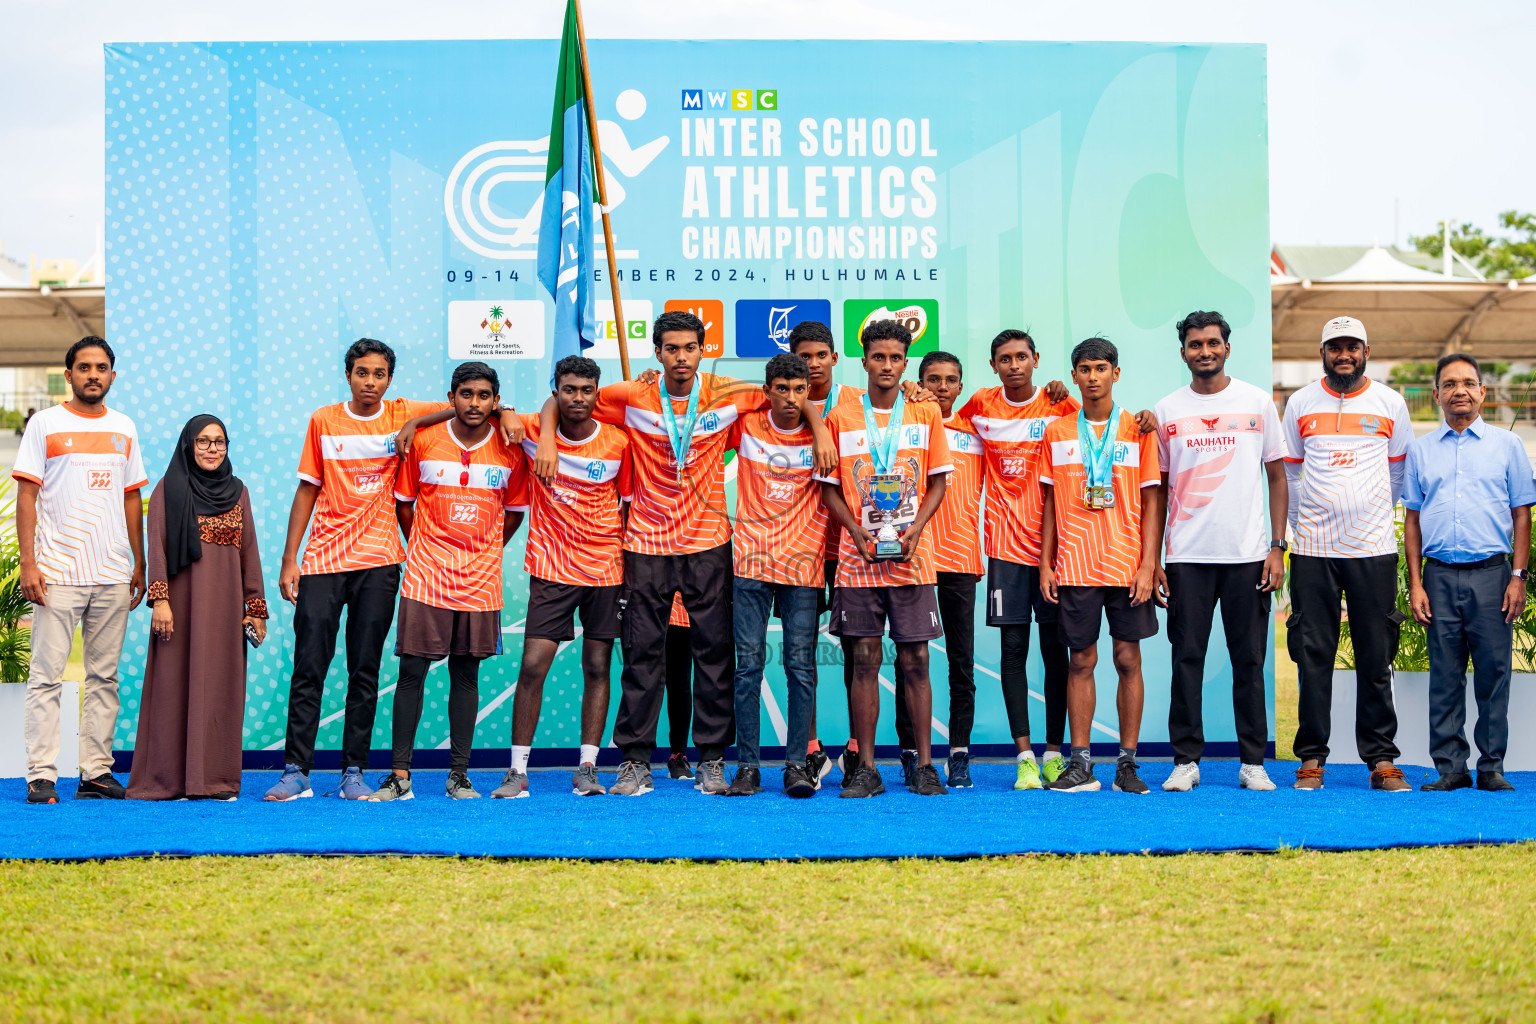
679 613
461 493
843 394
668 517
83 466
352 460
781 523
1013 442
922 451
956 527
575 531
1348 450
1098 547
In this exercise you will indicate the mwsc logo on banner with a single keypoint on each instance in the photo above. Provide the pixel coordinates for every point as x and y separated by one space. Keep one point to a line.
730 99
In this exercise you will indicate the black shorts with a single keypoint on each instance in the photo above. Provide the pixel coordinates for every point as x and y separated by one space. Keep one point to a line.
913 612
552 611
1082 607
1013 595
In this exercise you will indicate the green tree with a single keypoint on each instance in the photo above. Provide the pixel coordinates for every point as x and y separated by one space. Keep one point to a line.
1498 256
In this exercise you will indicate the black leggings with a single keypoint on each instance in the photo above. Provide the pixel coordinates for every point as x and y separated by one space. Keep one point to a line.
1016 685
463 706
679 686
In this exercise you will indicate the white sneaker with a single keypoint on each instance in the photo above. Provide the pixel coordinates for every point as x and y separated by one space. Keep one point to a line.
1253 776
1185 777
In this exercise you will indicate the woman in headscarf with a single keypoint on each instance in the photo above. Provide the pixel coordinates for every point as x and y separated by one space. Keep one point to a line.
206 591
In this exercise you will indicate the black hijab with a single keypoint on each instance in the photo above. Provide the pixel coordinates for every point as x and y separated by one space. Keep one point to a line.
191 491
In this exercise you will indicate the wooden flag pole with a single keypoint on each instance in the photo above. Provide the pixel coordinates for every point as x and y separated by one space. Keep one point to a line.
620 327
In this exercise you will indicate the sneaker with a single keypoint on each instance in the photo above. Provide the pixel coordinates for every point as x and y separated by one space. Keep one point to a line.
866 783
634 780
1389 778
1078 778
799 782
1028 774
958 770
748 781
908 766
224 796
924 781
1184 778
818 766
42 791
679 768
393 787
294 785
352 785
1253 776
584 780
1052 769
460 788
1127 781
514 786
1491 780
102 787
711 778
1310 775
848 761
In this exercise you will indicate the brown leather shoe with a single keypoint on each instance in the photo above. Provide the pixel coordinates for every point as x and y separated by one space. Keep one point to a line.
1389 777
1309 775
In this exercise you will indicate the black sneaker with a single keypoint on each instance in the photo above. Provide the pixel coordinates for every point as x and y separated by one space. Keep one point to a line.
679 768
1448 782
848 761
1127 781
818 765
41 791
908 766
924 781
1078 778
748 781
799 782
958 770
866 783
1493 781
102 787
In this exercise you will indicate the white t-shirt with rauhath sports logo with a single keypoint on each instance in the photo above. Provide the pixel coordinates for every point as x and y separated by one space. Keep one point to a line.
1213 448
84 466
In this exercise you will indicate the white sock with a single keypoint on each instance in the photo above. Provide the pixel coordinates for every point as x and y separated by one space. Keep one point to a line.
959 750
1025 755
589 753
520 758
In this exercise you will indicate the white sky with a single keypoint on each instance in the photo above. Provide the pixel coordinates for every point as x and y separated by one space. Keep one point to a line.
1431 105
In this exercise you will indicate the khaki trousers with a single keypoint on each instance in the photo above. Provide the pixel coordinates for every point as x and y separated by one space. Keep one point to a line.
102 613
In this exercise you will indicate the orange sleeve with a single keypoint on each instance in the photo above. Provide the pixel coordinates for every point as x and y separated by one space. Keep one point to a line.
311 460
971 407
414 408
938 440
626 479
612 401
1151 471
408 476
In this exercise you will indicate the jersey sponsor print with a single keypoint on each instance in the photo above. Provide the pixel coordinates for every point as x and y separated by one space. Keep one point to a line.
1098 547
453 559
956 526
1213 448
781 523
84 466
352 459
575 530
840 395
1013 443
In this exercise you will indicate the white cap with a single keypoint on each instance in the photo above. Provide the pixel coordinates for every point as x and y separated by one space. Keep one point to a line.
1343 327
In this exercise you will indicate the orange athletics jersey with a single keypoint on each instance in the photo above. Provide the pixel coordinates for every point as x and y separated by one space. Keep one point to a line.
668 518
1098 547
1013 441
922 450
955 529
781 523
575 532
83 466
841 394
679 615
454 555
353 462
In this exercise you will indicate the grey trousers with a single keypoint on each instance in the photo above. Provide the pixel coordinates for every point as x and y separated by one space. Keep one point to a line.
1465 619
102 614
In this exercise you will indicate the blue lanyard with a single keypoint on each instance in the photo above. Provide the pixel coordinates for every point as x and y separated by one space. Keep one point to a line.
1098 452
681 434
882 446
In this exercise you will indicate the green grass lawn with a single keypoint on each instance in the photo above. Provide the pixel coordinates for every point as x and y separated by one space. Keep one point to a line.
1375 936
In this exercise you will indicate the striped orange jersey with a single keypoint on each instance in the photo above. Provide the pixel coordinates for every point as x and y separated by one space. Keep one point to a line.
955 529
1013 439
83 466
923 451
1349 451
575 532
353 462
679 613
668 518
1098 547
844 395
454 555
780 520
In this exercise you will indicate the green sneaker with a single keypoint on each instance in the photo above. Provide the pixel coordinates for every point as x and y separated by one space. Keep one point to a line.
1029 775
1054 766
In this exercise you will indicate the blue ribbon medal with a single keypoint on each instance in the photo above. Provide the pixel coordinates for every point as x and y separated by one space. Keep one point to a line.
1098 460
680 434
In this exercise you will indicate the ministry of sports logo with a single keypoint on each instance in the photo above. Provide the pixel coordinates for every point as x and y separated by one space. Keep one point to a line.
494 322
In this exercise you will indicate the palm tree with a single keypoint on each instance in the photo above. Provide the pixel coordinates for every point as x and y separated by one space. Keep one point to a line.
496 313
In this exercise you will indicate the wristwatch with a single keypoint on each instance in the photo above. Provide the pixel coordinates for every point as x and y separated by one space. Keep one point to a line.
1518 574
1282 545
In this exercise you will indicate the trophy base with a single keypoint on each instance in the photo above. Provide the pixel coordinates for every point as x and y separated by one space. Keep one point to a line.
887 549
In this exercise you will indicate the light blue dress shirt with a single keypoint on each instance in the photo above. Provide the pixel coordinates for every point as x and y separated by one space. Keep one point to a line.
1463 487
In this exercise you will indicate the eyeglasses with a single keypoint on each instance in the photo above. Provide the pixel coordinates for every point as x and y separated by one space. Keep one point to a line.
216 444
464 461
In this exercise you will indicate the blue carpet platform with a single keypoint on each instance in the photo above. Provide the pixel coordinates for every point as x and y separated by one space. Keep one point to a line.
677 822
